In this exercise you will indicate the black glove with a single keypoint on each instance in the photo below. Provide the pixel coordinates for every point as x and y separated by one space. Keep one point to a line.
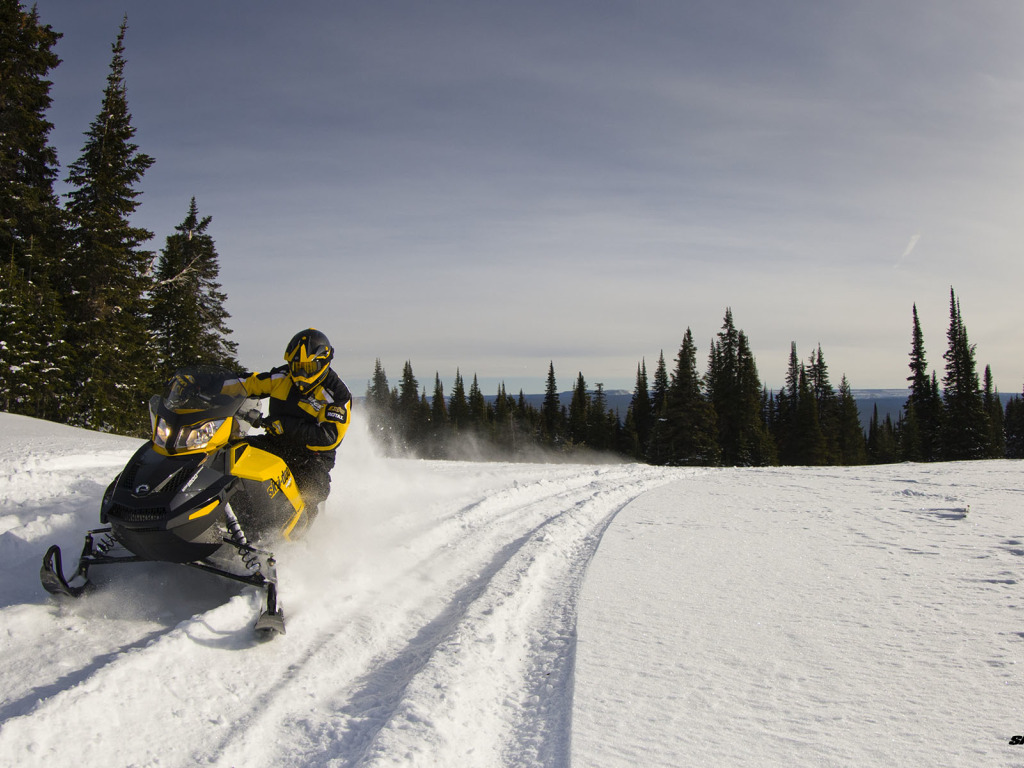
254 417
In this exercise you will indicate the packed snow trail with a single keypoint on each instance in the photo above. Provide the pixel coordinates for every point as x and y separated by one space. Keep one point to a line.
431 620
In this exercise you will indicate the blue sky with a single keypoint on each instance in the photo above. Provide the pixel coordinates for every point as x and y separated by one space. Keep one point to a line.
496 186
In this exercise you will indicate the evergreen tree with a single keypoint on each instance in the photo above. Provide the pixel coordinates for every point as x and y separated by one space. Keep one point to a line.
1013 424
380 410
458 406
579 408
108 280
640 408
504 420
436 447
410 422
477 406
784 421
734 389
881 440
602 423
966 427
691 428
657 449
551 419
920 433
659 388
29 212
187 312
827 403
996 438
33 354
851 444
809 440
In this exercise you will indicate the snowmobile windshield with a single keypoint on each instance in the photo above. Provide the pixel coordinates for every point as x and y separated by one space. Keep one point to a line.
207 389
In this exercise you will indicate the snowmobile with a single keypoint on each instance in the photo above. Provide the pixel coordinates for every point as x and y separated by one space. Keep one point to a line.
197 494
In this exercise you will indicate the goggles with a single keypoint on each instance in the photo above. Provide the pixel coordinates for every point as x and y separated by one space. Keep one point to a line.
300 367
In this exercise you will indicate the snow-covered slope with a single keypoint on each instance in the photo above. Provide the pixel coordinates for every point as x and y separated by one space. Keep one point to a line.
473 614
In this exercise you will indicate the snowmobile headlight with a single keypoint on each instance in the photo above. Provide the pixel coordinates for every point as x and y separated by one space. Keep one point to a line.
161 433
199 436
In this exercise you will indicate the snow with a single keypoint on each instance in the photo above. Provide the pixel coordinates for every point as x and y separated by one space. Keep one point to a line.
492 614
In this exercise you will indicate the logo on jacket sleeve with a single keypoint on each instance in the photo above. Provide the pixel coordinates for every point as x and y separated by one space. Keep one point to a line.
338 413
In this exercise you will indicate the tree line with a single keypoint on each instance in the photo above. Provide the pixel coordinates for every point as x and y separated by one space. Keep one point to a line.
723 417
91 323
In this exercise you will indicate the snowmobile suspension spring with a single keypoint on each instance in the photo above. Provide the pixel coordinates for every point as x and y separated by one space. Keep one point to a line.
234 528
105 544
250 557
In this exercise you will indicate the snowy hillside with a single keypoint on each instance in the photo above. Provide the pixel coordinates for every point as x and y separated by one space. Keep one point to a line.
471 614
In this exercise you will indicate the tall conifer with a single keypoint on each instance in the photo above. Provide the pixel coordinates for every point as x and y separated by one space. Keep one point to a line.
640 408
551 420
108 276
966 424
458 405
852 446
690 426
188 317
579 407
734 389
920 433
34 359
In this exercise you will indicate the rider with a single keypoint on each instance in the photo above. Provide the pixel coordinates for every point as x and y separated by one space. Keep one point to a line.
309 413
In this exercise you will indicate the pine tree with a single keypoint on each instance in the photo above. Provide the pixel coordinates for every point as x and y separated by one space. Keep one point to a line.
657 449
827 403
108 280
410 415
691 428
1013 424
734 389
551 419
477 406
504 420
881 440
29 212
640 412
187 313
380 410
784 423
601 422
851 443
920 433
458 406
810 446
579 407
996 438
33 354
439 427
966 424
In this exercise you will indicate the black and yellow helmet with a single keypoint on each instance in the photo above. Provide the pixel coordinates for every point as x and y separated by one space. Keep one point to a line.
309 356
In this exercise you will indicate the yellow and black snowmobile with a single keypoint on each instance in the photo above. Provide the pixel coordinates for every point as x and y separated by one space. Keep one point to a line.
196 494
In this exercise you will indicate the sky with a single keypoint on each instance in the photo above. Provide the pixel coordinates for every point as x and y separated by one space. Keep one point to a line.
495 188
